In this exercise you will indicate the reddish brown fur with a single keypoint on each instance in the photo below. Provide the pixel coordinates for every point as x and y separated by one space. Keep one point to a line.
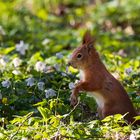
100 82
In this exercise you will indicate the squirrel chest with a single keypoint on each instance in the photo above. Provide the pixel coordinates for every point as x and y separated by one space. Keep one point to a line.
95 94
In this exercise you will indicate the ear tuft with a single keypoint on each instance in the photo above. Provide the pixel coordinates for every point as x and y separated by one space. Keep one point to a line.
87 38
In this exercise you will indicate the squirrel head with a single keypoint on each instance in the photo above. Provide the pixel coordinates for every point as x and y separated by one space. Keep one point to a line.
83 56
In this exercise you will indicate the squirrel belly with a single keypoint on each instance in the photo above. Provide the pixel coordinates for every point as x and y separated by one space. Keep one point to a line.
98 98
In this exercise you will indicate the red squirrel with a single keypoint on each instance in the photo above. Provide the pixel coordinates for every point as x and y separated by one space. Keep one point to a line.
97 81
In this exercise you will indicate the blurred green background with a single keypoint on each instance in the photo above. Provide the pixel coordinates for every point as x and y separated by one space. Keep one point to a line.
65 21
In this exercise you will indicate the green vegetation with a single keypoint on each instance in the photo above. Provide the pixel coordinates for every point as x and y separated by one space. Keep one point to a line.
36 39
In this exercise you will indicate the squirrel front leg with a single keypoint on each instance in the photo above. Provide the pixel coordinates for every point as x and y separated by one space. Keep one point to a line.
81 86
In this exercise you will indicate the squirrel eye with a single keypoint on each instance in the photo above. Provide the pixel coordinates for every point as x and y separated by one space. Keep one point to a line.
79 56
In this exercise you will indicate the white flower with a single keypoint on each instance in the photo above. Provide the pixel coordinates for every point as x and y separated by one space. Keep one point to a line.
67 69
45 41
57 67
63 74
59 55
6 83
71 85
24 138
122 53
22 47
128 70
50 93
2 62
40 66
16 72
132 137
30 82
40 85
138 97
48 68
16 62
5 58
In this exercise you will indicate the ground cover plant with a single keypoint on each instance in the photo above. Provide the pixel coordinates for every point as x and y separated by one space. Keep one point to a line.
36 40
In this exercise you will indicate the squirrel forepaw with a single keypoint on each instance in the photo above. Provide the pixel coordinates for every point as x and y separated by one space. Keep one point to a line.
73 100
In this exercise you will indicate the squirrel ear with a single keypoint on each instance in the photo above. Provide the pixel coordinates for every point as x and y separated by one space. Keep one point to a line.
87 38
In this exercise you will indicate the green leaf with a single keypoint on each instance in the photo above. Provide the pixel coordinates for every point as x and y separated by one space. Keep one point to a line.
137 117
43 103
44 112
7 50
55 121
